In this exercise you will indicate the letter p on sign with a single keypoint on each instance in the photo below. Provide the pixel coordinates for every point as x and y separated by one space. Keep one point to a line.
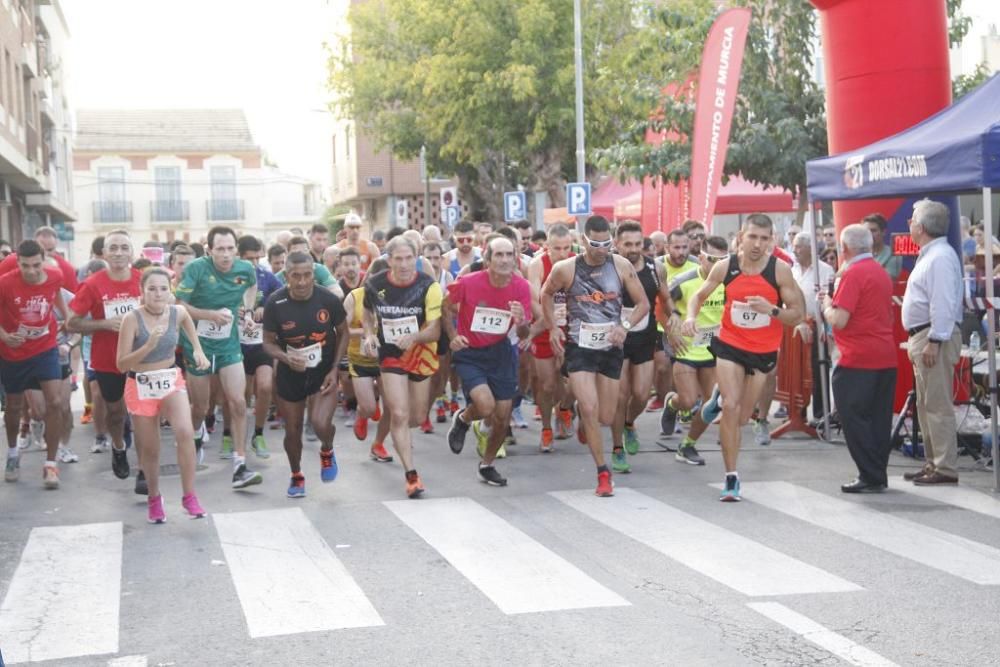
515 206
578 198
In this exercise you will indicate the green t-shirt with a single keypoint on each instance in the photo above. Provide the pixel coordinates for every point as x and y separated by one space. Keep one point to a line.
682 288
321 276
204 286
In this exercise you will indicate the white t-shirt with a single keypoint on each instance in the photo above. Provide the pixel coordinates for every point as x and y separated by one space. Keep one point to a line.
807 283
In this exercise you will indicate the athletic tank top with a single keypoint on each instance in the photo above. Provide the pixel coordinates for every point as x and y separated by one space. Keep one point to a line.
741 327
594 296
650 279
165 346
454 267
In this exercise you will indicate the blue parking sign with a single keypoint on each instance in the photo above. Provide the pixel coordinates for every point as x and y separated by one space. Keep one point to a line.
451 216
578 198
515 206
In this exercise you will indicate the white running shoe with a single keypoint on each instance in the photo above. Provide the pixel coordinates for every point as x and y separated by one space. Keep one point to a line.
101 445
38 433
66 455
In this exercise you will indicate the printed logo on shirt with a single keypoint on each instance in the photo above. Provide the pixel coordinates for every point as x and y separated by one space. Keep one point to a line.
598 297
287 326
322 316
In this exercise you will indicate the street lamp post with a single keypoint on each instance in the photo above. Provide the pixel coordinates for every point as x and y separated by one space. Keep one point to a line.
581 154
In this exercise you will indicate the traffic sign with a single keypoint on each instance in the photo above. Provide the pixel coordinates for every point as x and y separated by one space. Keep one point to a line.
449 197
402 212
578 198
451 216
515 206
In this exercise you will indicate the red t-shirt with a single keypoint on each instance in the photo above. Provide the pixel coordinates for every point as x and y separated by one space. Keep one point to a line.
103 298
483 315
865 291
783 256
29 310
69 281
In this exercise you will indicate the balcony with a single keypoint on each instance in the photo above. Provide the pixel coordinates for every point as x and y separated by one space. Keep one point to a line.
169 210
45 101
224 209
112 211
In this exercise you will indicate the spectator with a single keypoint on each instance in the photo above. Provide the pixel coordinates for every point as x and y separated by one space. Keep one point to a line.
804 271
880 251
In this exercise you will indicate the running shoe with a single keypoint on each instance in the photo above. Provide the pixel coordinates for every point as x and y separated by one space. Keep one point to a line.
226 450
119 463
546 444
297 487
379 453
781 412
272 413
654 405
427 426
619 462
101 444
518 418
192 506
441 414
685 416
538 414
24 436
456 434
328 468
668 418
50 477
564 424
731 493
199 451
414 487
88 415
38 433
482 437
712 407
630 439
453 405
352 415
762 432
688 454
141 487
155 511
310 433
259 447
209 423
605 487
12 471
489 475
66 455
361 428
244 477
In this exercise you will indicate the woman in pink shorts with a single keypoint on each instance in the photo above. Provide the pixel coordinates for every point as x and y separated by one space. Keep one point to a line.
155 386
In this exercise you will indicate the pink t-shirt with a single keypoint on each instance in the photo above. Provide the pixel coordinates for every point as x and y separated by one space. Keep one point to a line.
484 310
865 291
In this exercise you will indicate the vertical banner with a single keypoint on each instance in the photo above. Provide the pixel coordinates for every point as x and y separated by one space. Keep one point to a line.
718 82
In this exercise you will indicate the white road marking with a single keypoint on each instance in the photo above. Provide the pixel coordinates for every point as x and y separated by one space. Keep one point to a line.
287 577
63 601
735 561
811 631
972 561
129 661
514 571
958 496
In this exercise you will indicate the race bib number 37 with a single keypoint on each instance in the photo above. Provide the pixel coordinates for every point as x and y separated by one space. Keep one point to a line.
745 317
491 320
595 336
212 331
395 328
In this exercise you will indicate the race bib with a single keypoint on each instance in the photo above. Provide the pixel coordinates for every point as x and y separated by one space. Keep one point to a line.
560 314
311 354
491 320
595 336
396 328
32 333
703 338
119 307
746 318
156 384
212 331
251 333
627 315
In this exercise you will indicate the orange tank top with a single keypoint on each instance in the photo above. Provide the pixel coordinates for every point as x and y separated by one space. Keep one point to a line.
741 327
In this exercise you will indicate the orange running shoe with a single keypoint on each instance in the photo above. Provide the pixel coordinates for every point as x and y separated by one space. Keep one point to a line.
361 428
413 485
546 445
87 417
378 412
605 489
453 407
379 453
564 424
427 426
442 416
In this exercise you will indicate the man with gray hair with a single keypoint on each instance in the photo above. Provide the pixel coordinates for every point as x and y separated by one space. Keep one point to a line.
864 381
805 271
932 311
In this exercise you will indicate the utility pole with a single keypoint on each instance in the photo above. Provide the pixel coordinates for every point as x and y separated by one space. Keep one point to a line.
581 153
425 175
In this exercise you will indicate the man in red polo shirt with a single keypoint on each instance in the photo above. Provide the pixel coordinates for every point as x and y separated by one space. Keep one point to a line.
48 239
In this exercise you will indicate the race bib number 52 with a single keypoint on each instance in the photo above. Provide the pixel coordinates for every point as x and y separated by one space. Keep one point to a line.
595 336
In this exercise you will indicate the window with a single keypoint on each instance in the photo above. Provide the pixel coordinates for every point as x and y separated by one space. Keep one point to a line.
111 205
168 205
224 205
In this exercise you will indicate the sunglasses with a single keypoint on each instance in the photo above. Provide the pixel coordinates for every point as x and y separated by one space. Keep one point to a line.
597 244
463 239
712 259
694 237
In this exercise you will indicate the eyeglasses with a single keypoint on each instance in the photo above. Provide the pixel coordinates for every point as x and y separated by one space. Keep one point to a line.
597 244
712 259
463 239
696 237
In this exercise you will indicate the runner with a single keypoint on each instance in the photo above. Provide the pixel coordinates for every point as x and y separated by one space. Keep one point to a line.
351 279
435 259
405 306
464 252
488 304
322 275
155 387
97 310
319 240
761 297
276 257
594 284
678 260
306 332
48 239
216 289
640 345
367 251
694 367
28 298
179 258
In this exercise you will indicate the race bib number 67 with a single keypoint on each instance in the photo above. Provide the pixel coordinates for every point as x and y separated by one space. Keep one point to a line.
745 317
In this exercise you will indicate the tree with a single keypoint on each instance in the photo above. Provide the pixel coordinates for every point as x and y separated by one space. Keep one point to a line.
486 85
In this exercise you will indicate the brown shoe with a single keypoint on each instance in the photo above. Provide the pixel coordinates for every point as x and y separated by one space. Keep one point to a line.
913 474
935 478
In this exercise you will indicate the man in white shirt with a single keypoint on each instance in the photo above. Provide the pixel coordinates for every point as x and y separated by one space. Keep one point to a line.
804 271
932 310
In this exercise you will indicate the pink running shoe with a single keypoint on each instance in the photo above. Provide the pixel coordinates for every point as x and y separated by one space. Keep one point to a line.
192 507
156 513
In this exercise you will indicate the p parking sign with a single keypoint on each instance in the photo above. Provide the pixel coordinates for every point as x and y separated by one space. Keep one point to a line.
515 206
578 198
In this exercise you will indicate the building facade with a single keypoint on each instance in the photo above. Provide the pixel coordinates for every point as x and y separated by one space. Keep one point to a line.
173 174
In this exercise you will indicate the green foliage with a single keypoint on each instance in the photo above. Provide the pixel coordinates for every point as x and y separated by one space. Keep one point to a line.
333 218
958 23
964 83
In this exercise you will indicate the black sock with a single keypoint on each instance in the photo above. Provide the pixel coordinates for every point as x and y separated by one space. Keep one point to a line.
258 430
226 432
629 424
603 468
352 404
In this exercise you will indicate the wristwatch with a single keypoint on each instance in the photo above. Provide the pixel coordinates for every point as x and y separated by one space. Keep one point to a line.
775 311
626 325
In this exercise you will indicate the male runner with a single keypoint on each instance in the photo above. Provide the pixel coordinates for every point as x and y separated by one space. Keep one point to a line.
276 257
464 252
351 278
676 261
367 251
322 274
319 240
48 240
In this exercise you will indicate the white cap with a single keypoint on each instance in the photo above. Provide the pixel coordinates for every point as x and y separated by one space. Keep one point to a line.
352 219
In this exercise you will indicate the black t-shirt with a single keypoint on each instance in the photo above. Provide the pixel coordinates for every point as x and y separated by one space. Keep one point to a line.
300 324
650 281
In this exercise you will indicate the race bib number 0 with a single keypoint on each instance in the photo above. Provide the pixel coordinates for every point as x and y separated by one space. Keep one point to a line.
32 333
560 313
491 320
119 308
156 384
627 315
396 328
311 354
704 337
595 336
745 317
212 331
251 333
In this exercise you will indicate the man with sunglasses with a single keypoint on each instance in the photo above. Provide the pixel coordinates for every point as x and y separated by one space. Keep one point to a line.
761 298
464 252
594 283
677 261
695 232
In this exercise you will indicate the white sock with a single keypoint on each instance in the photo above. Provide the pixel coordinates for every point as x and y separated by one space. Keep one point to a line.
238 461
733 474
51 464
13 453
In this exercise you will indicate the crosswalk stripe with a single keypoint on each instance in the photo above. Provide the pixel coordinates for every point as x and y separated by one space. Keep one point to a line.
812 631
958 496
129 661
287 577
972 561
735 561
514 571
64 598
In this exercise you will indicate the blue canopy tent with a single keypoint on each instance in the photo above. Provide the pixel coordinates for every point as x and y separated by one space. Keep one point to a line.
955 151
